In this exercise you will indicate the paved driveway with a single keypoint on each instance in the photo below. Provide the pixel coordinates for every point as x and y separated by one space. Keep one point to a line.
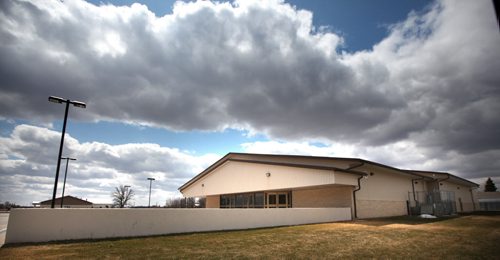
4 218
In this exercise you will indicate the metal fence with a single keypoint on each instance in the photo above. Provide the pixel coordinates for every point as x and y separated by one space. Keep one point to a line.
437 203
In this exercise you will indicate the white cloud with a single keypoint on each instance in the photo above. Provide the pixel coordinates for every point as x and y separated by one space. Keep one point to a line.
98 169
403 155
430 86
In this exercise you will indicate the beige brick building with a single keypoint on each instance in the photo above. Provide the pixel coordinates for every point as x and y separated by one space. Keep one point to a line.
370 189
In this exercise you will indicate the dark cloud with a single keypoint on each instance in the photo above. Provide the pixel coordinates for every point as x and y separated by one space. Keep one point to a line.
431 84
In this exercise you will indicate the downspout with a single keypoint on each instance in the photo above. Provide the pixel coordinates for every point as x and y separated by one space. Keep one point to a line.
354 196
414 197
357 189
413 187
472 198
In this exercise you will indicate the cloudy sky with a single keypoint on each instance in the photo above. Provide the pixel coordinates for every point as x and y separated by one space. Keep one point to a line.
172 87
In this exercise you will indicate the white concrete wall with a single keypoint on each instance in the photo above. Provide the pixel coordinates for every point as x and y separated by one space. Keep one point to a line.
240 177
42 225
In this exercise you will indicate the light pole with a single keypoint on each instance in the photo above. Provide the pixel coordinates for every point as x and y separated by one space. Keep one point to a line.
65 174
150 182
126 195
76 104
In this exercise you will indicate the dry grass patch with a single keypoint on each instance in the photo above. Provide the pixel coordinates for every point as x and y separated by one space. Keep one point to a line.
461 237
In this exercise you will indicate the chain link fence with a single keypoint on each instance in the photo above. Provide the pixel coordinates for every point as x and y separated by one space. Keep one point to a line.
437 203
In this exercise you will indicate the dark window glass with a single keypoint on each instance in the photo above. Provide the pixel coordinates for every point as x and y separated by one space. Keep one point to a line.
259 200
272 199
224 201
240 201
282 199
232 201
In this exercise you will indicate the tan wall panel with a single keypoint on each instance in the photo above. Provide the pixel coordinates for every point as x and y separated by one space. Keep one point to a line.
419 185
378 208
322 197
213 201
240 177
385 185
462 192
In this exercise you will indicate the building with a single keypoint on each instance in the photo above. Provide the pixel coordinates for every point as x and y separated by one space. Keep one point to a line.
68 202
370 189
488 201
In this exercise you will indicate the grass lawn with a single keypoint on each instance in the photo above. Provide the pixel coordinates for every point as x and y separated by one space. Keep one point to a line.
464 237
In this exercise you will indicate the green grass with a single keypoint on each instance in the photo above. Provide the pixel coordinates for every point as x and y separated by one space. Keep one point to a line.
462 237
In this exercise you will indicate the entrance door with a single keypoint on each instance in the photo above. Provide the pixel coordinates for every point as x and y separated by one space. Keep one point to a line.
277 200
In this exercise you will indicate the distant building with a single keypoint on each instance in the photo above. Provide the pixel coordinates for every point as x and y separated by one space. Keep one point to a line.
488 201
69 202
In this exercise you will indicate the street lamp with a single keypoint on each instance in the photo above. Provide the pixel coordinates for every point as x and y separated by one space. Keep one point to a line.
150 181
65 174
76 104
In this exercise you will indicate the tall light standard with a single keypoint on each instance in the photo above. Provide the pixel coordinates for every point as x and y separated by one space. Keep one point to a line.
150 182
76 104
65 174
126 194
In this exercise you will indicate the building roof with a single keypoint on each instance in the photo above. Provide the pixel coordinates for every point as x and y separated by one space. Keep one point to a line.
314 162
68 200
441 176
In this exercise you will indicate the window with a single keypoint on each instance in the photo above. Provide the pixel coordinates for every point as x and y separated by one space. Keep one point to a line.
279 200
259 200
256 200
272 199
240 201
282 199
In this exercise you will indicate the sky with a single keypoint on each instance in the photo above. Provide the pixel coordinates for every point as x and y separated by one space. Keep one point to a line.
171 87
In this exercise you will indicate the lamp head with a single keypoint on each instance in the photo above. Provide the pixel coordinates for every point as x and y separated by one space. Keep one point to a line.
55 99
79 104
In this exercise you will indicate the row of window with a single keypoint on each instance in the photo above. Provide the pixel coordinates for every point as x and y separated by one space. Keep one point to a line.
257 200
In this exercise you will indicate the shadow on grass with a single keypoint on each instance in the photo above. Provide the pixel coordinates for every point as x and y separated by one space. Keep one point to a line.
404 220
481 213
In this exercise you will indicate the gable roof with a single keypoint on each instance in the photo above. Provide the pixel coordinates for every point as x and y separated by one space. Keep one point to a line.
68 200
284 160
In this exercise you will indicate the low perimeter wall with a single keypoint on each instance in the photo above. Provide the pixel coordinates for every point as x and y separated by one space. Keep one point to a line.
42 225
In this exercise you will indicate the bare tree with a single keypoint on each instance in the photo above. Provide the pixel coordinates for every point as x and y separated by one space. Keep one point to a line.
122 196
185 203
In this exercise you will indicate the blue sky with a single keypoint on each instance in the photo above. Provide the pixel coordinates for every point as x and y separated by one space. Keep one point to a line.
405 83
